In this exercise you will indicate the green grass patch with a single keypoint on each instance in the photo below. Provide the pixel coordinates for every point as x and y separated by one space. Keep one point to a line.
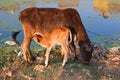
19 78
7 55
27 71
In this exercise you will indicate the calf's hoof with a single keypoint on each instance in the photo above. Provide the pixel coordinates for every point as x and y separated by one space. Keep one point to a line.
46 65
63 65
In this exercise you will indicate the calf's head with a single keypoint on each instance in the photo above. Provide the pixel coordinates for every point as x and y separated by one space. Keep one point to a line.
37 37
86 49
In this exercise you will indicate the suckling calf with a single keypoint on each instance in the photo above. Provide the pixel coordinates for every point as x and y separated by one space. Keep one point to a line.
57 36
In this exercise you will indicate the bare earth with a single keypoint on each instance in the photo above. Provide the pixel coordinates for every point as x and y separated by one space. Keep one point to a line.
74 70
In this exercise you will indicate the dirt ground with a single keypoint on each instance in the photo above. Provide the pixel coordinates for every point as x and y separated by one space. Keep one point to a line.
16 69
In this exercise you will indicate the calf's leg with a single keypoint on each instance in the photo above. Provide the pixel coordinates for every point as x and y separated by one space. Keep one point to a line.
65 53
47 56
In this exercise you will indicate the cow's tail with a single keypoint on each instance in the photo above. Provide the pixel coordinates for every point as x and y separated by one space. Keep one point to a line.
14 35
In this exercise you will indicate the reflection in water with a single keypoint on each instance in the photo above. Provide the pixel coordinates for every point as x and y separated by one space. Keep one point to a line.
9 12
101 5
68 3
106 7
48 1
10 8
13 6
90 18
114 7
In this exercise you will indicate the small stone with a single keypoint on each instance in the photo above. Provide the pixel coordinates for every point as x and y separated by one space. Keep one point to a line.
9 73
115 61
71 70
4 68
40 58
20 53
100 67
109 75
10 43
39 68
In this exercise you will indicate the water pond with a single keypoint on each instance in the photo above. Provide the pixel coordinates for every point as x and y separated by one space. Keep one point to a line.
101 18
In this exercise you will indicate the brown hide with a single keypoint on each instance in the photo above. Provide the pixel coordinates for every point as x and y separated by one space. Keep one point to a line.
57 36
44 19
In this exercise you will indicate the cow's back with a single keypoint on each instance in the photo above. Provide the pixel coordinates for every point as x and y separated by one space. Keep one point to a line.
76 24
44 19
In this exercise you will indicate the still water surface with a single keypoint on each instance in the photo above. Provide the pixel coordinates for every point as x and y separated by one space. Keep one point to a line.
101 18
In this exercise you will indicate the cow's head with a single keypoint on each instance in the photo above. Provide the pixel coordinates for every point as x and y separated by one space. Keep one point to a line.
86 49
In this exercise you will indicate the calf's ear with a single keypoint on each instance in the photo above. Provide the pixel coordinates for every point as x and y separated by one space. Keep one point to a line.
37 37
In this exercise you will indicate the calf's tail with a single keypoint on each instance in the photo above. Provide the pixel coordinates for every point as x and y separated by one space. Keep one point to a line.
70 35
14 35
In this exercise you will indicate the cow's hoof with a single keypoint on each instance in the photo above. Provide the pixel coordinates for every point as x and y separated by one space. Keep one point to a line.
33 58
76 58
26 63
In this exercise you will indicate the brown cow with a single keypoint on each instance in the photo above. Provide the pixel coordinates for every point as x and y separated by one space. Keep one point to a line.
41 20
57 36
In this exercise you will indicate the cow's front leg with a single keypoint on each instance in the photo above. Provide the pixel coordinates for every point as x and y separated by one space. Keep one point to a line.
72 51
76 47
47 56
31 57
